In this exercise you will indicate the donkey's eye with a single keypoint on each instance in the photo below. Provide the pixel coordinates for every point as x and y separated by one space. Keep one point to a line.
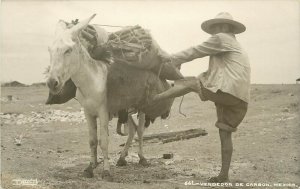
68 51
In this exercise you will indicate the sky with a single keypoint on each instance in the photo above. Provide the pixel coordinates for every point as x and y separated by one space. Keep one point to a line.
272 38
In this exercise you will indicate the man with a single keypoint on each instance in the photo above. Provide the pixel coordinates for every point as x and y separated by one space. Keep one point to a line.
226 82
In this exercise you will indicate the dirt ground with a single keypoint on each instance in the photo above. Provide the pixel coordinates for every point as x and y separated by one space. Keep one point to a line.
55 151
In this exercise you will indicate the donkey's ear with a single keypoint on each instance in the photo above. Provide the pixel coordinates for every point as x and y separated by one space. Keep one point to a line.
61 26
81 25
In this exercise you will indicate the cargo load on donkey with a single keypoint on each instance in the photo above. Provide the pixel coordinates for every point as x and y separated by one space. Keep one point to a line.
135 74
133 46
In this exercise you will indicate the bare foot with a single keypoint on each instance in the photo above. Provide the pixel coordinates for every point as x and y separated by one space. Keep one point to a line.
218 179
88 172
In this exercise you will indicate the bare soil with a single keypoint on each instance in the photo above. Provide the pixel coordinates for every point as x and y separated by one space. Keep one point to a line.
55 152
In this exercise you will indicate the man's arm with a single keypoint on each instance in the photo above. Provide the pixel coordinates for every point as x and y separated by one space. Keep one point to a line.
187 55
210 47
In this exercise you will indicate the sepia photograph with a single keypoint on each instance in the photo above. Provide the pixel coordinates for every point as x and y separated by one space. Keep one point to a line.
144 94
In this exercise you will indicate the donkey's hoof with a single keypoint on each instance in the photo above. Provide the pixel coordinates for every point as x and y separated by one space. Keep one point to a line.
107 176
88 173
144 162
121 162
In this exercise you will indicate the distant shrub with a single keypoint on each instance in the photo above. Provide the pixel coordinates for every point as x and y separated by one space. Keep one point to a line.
40 84
13 84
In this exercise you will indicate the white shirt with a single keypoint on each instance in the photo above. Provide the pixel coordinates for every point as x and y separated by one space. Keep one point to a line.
229 68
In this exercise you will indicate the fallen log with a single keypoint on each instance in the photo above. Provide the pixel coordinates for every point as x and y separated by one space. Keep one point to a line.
166 135
174 136
182 137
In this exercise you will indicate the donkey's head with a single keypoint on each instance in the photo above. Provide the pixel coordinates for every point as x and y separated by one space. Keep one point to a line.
63 54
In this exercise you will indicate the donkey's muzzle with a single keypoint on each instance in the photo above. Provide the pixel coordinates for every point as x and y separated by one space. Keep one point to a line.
53 85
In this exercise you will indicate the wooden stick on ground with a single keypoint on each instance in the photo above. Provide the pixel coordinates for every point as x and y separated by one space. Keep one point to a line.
174 136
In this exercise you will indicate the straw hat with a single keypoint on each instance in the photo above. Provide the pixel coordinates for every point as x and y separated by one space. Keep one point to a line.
223 18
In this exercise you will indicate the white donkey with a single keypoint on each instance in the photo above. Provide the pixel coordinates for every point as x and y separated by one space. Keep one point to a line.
70 60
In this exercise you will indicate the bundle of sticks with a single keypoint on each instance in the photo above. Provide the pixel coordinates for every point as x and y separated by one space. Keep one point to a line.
135 38
125 45
128 44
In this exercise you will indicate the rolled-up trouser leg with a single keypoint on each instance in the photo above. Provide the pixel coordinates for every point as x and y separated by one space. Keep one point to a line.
181 87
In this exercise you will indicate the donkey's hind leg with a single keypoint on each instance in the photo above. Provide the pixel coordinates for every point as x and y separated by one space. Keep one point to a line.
93 141
140 132
124 153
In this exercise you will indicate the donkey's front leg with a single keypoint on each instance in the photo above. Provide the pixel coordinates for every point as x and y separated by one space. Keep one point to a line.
104 140
140 132
92 125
